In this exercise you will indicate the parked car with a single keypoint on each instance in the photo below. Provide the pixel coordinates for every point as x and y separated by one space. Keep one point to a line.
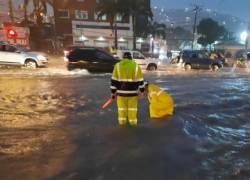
200 60
150 64
91 59
11 55
239 59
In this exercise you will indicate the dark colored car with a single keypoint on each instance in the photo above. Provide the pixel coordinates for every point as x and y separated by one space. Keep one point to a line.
200 60
92 59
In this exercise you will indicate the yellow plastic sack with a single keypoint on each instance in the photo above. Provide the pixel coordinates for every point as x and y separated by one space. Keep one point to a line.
161 103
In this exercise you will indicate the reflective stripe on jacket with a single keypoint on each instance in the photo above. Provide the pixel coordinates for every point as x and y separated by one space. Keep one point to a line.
127 79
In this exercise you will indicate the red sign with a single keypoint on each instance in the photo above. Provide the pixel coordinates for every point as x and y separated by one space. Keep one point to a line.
11 33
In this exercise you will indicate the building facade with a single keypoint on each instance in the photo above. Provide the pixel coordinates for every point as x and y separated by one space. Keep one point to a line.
77 22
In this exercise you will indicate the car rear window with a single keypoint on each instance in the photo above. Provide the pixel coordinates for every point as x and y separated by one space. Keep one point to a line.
81 54
101 55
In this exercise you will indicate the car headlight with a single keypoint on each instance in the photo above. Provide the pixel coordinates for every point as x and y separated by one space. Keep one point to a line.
159 63
41 58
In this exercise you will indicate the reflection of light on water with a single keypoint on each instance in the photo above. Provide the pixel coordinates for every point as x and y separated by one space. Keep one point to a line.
248 66
234 67
45 72
63 72
236 84
30 109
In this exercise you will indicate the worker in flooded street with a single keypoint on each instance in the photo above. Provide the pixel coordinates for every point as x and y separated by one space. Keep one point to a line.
126 85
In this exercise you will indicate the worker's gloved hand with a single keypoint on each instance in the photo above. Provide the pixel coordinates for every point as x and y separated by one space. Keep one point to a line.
141 95
113 96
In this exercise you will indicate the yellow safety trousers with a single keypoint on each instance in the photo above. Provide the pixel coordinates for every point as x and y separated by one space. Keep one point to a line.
127 110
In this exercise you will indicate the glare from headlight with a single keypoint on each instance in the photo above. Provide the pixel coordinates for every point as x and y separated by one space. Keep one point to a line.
41 58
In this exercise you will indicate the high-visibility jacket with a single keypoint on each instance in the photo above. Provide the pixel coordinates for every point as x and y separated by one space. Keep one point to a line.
127 79
161 103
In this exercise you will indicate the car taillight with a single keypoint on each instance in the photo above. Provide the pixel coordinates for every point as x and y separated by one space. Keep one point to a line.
66 53
66 59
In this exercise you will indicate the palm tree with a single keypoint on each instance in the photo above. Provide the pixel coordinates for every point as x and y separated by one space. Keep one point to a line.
136 8
110 8
158 30
39 10
132 8
25 5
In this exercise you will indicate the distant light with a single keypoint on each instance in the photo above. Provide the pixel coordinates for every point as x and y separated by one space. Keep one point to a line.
208 10
188 18
121 39
101 39
162 51
12 34
156 51
83 38
140 40
216 42
243 36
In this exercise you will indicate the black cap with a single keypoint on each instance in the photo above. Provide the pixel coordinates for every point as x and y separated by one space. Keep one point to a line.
127 55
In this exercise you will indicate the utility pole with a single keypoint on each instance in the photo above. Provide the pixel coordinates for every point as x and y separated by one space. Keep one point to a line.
196 9
116 35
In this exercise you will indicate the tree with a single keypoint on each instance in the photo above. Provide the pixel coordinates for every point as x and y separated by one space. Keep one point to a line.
24 7
110 8
157 30
178 36
11 14
210 31
39 10
136 8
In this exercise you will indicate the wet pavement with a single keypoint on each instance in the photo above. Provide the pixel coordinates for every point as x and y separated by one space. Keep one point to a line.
52 127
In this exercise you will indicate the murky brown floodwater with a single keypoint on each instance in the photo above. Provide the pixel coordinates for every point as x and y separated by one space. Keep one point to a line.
51 127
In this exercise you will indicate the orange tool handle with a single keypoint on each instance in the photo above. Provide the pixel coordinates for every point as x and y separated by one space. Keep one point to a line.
107 103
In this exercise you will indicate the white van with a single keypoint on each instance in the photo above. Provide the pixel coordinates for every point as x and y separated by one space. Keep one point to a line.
150 64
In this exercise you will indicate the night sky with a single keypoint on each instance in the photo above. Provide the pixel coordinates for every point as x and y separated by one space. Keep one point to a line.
239 8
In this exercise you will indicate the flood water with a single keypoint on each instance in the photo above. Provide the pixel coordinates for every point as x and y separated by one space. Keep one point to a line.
52 127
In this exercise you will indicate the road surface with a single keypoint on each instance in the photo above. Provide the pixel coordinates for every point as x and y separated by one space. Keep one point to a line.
52 127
